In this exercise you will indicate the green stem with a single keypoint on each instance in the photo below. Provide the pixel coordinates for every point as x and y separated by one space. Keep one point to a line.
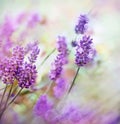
48 88
15 97
47 56
3 95
74 79
6 101
7 105
8 96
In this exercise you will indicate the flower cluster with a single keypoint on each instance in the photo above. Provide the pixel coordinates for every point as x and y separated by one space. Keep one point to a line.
14 68
60 60
80 28
84 51
33 55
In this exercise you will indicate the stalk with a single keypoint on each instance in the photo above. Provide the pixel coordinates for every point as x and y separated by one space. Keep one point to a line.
74 79
3 95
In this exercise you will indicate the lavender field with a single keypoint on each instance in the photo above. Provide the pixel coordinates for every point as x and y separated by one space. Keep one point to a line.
59 62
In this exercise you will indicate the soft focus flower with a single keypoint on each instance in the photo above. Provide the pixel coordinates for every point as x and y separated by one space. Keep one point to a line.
34 54
34 20
80 28
84 52
42 106
116 120
60 60
60 87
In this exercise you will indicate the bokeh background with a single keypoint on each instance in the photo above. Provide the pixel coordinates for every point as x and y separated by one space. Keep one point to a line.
97 86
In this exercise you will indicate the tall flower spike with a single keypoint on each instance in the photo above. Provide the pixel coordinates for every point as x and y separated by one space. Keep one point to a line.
60 60
81 27
34 54
84 52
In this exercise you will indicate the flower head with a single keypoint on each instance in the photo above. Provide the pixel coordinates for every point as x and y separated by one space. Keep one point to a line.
80 28
84 51
26 75
14 68
18 54
34 54
60 87
60 60
42 106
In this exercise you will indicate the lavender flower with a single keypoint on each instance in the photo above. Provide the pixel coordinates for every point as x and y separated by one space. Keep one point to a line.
7 71
60 60
18 55
116 120
26 75
80 28
42 106
60 87
84 51
34 20
14 68
34 54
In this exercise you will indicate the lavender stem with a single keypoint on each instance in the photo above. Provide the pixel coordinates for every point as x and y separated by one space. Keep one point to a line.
74 79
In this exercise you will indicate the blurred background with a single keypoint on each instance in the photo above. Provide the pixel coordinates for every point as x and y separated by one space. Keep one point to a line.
97 86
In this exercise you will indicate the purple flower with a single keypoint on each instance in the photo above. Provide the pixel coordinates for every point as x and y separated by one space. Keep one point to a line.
14 68
71 113
80 28
116 120
84 51
34 54
34 20
60 87
43 106
26 75
18 55
7 71
60 60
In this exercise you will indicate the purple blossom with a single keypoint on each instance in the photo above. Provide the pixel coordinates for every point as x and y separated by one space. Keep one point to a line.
26 75
80 28
34 54
14 68
116 120
34 19
71 113
84 51
43 106
7 71
31 46
60 87
60 60
18 54
61 44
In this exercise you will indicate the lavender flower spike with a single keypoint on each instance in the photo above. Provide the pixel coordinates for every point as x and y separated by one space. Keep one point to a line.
80 28
85 53
34 54
60 60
